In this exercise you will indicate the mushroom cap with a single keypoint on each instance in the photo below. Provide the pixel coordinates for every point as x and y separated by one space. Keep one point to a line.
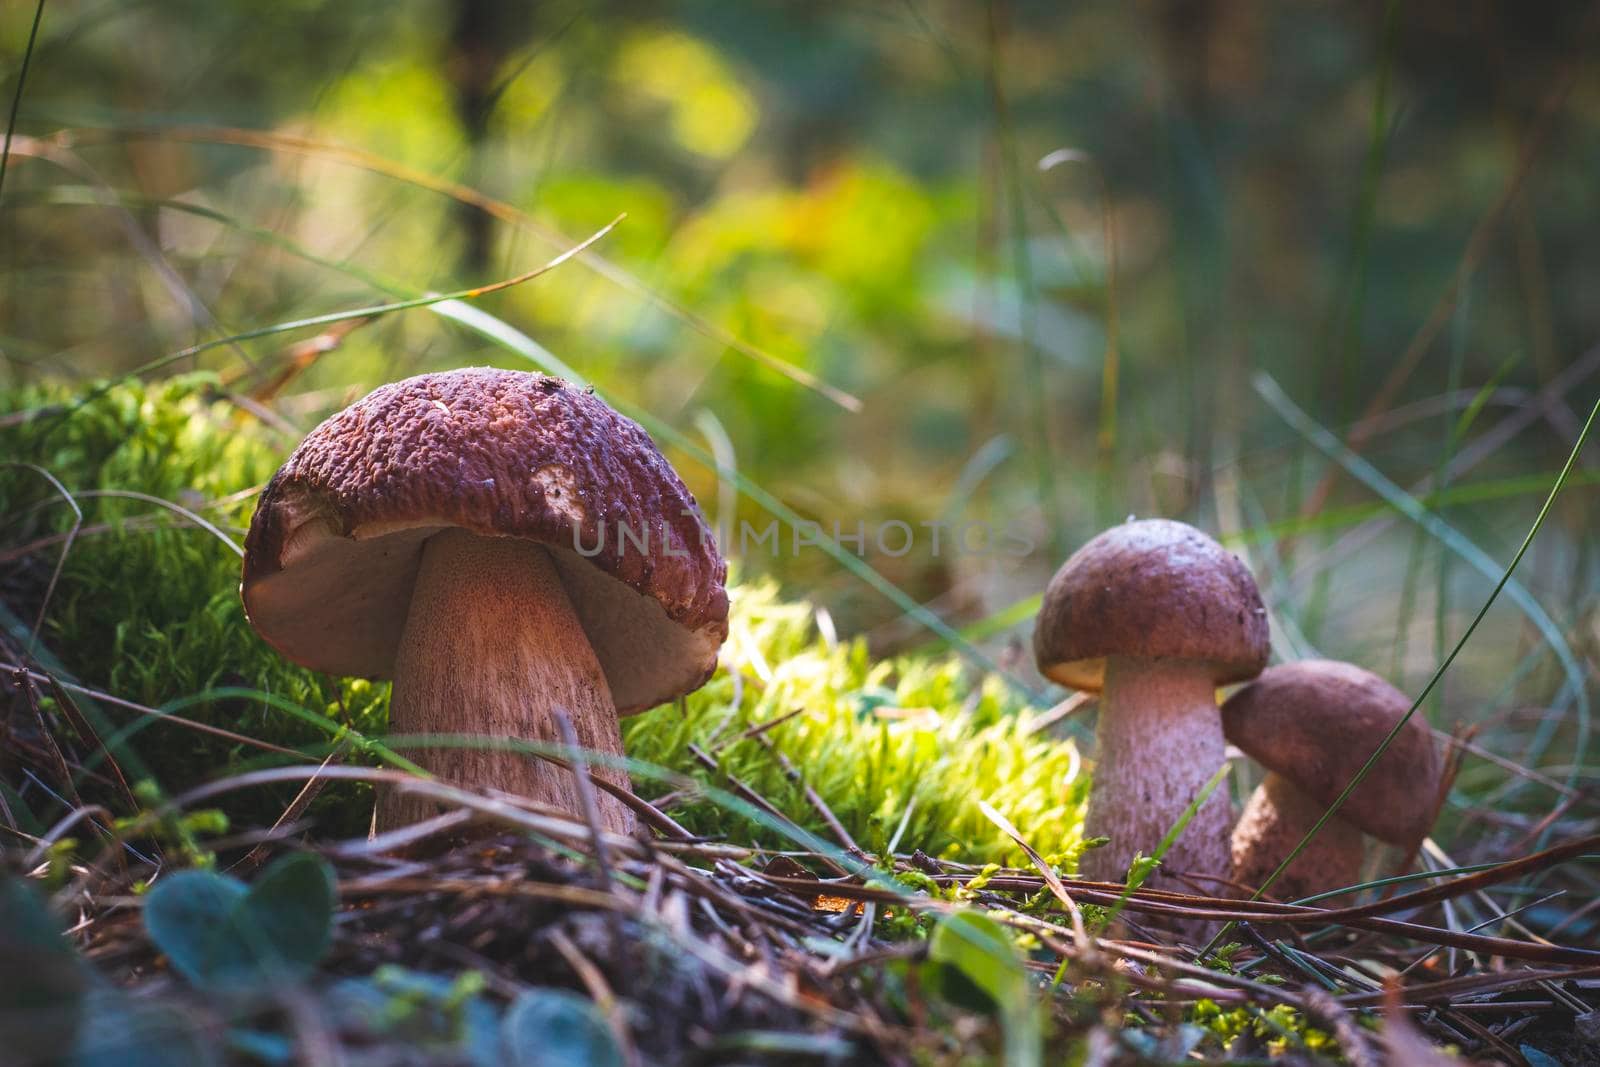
1315 722
1152 589
334 547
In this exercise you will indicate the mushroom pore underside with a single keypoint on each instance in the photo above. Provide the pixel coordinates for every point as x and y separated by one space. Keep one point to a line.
339 604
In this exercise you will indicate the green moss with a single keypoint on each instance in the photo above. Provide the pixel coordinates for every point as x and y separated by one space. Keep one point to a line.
147 609
878 741
147 606
1281 1028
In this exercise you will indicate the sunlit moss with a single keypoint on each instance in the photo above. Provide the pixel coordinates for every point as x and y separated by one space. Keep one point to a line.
1281 1028
147 607
880 741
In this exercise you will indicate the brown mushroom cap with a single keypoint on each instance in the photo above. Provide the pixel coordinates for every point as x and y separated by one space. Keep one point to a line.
1153 589
336 540
1315 722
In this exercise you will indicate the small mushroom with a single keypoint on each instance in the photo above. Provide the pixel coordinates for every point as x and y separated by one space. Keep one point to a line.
1154 615
1312 725
502 545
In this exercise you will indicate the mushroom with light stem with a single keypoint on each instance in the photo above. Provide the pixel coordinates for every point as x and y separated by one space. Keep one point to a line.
503 545
1154 616
1313 724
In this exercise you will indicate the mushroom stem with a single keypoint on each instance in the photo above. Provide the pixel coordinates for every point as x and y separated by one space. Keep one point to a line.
492 646
1276 818
1159 741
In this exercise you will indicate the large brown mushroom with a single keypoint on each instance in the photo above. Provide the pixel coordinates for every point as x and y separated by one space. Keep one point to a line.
1154 616
503 545
1313 724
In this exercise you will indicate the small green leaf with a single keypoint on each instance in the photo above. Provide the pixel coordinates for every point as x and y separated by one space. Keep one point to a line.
42 981
195 917
123 1031
981 950
550 1027
433 1014
293 901
217 932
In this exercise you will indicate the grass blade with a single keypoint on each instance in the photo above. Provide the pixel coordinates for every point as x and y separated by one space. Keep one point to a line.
1338 452
306 146
16 97
1411 508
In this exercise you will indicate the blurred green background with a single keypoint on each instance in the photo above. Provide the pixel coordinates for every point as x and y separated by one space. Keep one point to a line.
1011 262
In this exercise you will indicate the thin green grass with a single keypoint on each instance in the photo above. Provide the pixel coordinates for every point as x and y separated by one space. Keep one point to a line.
1457 543
1337 451
161 363
1342 517
16 96
454 306
1036 386
1340 337
464 195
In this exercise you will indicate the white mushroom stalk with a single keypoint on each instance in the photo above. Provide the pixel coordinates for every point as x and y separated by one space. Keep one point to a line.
1158 742
492 640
